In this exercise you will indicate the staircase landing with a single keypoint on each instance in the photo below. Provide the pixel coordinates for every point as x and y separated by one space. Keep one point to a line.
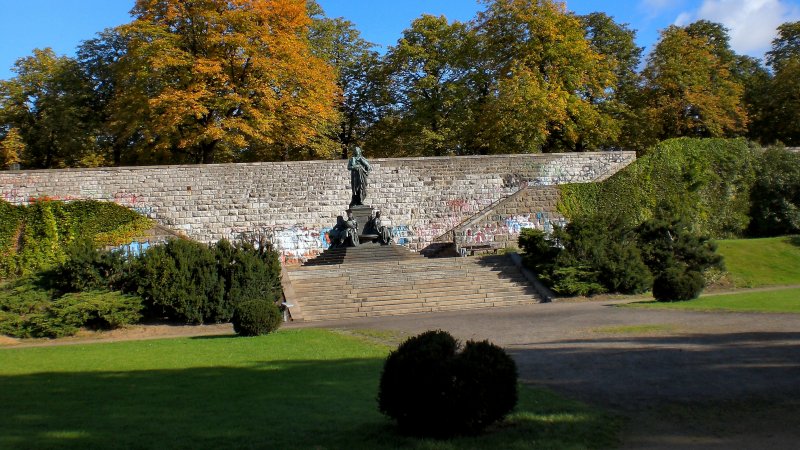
374 280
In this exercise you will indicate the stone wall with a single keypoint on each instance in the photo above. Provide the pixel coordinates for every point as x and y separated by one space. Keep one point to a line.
295 203
501 224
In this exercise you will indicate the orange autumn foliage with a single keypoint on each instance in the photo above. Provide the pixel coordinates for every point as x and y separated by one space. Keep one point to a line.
223 80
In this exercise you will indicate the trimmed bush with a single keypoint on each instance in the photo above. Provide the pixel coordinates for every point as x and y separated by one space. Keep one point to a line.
256 317
678 284
432 389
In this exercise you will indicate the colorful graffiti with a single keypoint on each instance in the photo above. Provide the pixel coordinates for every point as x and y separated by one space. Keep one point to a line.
296 244
402 234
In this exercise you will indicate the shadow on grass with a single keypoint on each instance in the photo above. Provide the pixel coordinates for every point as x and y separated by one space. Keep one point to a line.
278 404
794 240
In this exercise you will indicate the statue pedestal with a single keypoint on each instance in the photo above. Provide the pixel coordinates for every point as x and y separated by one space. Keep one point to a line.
363 214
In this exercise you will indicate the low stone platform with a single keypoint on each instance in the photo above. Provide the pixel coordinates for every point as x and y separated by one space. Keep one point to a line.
374 280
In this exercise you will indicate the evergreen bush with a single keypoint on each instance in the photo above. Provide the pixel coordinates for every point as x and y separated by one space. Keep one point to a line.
432 389
678 284
180 281
256 317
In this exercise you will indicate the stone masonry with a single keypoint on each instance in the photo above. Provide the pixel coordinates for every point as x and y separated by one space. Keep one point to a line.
294 204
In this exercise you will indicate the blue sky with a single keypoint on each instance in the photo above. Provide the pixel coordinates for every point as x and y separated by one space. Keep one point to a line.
63 24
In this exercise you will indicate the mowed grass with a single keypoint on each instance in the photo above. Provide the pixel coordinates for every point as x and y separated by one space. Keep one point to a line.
762 262
292 389
778 301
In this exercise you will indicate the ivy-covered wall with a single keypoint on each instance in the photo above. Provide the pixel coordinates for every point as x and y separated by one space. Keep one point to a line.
35 236
708 181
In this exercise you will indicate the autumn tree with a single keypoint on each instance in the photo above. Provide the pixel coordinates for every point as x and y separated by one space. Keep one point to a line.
48 102
689 88
222 80
548 80
11 148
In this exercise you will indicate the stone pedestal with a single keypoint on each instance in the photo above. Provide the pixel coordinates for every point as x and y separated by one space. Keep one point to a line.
363 214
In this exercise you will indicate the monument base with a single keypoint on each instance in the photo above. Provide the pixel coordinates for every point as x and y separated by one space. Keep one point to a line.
363 214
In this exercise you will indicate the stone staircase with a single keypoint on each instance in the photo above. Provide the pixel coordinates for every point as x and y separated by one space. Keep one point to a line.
373 280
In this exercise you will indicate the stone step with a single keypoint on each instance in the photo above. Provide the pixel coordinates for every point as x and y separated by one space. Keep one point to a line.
379 281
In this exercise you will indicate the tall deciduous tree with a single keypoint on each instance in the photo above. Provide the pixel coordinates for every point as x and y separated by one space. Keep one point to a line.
339 43
617 43
689 88
548 80
780 119
11 148
427 74
223 80
49 103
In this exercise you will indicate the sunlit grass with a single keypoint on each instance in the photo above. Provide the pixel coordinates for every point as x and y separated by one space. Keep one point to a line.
293 389
779 301
762 262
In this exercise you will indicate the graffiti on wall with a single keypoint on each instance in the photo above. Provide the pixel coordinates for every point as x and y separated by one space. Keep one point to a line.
295 243
511 225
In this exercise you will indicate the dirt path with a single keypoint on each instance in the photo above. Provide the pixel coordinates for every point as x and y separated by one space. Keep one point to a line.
683 379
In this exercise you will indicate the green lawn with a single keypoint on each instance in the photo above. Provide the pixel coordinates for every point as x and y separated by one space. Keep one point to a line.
780 301
293 389
762 262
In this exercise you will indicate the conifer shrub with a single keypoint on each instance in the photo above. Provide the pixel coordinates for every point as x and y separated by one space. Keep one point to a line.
431 387
256 317
179 281
87 268
678 284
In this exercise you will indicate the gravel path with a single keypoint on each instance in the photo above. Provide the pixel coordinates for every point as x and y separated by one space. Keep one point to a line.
684 379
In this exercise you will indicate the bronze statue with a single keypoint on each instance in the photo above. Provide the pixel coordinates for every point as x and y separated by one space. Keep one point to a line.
345 232
359 172
384 232
378 227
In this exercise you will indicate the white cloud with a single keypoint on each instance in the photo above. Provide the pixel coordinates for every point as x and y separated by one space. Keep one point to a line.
752 24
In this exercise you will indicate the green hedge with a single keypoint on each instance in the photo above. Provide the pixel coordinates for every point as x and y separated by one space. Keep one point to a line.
708 181
35 237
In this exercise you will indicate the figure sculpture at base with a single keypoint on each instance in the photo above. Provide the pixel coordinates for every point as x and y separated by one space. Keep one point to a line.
377 226
359 172
345 232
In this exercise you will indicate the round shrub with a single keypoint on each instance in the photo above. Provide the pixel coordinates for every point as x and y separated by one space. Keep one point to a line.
256 317
678 284
432 389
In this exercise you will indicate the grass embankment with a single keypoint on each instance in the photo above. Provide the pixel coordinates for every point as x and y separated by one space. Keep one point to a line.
762 262
292 389
752 263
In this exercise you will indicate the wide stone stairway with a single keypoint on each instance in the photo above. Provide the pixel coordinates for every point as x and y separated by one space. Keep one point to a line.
375 280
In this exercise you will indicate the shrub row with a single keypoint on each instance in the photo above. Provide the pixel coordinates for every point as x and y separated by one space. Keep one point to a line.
27 309
597 254
182 281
